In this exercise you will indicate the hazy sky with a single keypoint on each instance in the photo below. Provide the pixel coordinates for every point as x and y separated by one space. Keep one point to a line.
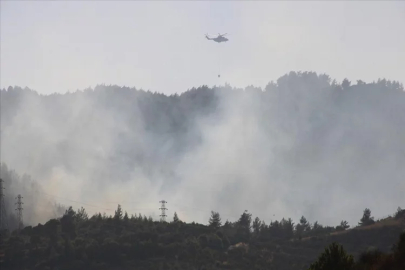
59 46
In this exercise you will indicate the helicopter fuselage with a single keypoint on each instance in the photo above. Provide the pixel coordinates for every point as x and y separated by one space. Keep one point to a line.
220 39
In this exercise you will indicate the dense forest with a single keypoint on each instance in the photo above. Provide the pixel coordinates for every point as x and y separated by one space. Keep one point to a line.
77 241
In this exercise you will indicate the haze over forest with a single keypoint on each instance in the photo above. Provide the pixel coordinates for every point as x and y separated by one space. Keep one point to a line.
304 145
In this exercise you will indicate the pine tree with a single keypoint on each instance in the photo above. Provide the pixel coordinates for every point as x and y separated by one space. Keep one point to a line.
118 213
70 212
316 226
287 227
175 218
245 220
366 219
343 226
333 258
263 227
305 224
302 227
227 225
215 220
346 84
68 226
256 226
244 226
81 215
126 218
400 213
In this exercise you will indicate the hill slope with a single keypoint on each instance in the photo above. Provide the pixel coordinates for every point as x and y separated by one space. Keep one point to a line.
120 242
301 134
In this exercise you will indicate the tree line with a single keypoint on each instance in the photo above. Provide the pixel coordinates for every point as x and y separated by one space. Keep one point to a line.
77 240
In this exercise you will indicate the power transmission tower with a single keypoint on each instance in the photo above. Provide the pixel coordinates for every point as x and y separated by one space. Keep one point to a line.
19 209
163 209
3 213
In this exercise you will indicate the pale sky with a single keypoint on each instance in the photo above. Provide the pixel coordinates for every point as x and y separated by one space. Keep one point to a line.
160 46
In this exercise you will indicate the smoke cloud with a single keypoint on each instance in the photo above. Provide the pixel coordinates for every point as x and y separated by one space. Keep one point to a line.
303 146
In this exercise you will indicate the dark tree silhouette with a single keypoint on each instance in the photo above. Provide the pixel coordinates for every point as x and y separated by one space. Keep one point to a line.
175 218
256 226
67 223
400 213
126 218
245 221
243 226
346 84
215 220
333 258
81 215
366 219
343 226
302 227
118 213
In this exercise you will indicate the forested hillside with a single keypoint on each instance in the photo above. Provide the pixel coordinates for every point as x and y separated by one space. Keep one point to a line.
305 147
122 241
300 145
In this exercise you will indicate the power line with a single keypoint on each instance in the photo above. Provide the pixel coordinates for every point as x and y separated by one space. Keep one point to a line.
92 205
192 209
83 203
163 211
204 210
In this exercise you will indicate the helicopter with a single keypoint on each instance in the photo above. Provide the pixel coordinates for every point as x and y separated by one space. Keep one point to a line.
220 38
